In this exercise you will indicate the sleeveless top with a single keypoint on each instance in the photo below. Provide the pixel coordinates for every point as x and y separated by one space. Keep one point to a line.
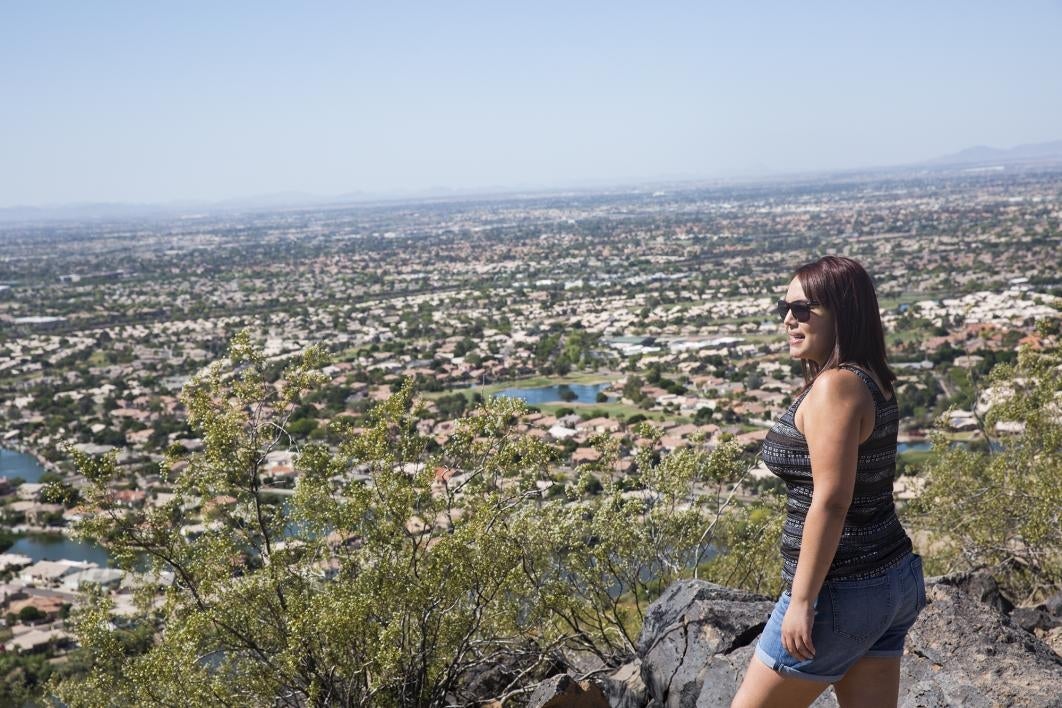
872 541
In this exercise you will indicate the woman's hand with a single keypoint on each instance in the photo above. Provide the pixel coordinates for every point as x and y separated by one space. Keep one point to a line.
796 629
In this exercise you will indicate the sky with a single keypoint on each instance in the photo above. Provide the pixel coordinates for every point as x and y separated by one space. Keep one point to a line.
148 102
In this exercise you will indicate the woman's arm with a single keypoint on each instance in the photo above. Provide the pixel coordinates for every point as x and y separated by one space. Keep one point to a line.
832 417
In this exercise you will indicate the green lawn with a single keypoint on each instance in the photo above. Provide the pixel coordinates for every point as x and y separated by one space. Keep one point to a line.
614 410
889 303
915 457
98 358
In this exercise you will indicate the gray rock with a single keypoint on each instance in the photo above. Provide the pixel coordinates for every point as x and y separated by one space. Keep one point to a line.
724 674
979 585
964 652
1032 618
565 692
624 687
688 626
1053 605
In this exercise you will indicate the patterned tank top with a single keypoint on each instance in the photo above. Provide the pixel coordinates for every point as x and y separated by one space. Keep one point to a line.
872 541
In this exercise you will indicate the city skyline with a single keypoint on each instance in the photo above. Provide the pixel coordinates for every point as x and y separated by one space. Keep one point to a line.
120 103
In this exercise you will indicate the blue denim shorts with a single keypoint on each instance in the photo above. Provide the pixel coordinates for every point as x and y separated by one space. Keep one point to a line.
853 619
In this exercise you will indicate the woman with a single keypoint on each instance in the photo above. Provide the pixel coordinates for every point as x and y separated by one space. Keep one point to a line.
853 586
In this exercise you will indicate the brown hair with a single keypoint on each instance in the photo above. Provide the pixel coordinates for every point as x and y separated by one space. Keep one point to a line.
843 287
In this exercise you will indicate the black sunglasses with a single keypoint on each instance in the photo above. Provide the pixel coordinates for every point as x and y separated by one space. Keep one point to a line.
801 309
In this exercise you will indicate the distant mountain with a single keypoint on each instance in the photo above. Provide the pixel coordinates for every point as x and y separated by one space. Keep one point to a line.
982 154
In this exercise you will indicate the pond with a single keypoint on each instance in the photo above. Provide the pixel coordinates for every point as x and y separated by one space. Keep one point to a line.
920 446
17 464
584 393
45 546
48 547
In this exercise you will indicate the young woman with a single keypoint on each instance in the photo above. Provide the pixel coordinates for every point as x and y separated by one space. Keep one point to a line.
853 586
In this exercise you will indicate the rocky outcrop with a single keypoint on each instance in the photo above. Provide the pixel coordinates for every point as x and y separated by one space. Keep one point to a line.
689 636
965 650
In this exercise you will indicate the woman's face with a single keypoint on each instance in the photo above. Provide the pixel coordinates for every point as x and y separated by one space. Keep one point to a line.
813 339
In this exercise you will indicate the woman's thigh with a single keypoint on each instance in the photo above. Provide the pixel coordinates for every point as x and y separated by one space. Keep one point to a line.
871 682
766 688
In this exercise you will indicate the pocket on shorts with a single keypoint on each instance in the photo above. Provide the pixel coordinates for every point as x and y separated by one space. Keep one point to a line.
920 583
861 608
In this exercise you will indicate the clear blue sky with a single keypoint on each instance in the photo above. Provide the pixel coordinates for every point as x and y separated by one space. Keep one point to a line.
151 101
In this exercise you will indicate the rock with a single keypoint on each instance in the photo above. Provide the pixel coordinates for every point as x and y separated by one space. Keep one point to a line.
624 687
1033 618
565 692
962 651
491 678
698 639
1053 605
979 585
1053 639
691 624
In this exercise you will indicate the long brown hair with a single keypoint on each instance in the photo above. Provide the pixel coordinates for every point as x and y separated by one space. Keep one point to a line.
842 286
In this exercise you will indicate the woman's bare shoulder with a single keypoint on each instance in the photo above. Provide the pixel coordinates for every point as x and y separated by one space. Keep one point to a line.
837 396
835 387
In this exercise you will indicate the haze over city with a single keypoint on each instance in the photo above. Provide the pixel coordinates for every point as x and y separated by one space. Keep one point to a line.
125 102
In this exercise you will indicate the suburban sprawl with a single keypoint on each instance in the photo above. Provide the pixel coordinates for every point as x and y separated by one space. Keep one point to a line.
605 311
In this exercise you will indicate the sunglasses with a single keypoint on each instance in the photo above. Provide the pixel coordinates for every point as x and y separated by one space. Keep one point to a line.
801 309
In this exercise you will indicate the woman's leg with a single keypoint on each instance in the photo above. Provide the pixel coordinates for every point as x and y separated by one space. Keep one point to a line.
871 682
766 688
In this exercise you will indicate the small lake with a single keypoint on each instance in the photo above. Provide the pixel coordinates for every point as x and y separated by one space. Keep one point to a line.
16 464
57 547
44 546
926 446
584 393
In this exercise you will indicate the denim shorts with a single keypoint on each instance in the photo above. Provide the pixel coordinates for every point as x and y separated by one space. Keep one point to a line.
853 619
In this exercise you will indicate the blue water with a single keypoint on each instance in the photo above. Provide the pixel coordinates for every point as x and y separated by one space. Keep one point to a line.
15 464
925 446
59 548
45 547
584 393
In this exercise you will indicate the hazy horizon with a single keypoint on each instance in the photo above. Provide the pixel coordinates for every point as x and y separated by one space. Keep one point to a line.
121 102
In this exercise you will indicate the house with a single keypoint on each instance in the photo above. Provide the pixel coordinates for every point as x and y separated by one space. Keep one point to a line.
599 425
559 432
47 606
29 491
131 498
14 560
94 577
48 572
36 640
34 512
583 455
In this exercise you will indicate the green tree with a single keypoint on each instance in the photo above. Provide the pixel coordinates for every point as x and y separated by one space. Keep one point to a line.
21 677
30 614
1000 505
393 591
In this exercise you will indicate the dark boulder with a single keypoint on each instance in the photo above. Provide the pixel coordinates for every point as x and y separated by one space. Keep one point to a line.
688 635
1033 618
1053 605
981 586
